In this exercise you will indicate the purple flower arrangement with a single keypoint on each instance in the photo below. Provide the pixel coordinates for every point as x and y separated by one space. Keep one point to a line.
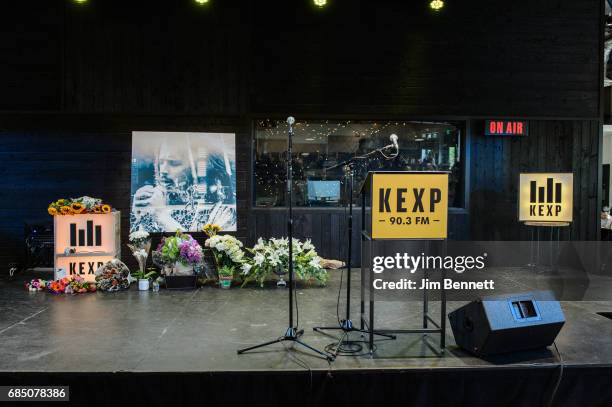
190 250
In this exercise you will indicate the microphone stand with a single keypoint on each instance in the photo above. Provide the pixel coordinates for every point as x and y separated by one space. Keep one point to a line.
346 325
291 333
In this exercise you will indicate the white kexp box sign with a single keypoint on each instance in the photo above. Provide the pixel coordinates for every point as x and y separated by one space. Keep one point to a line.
91 240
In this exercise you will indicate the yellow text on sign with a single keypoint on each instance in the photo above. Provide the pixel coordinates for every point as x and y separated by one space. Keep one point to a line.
546 197
409 206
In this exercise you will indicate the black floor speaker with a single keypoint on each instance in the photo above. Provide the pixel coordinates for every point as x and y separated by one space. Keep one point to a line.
507 323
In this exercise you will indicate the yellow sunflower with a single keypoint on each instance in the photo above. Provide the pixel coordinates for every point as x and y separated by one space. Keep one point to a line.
77 207
65 210
52 211
97 209
106 208
61 202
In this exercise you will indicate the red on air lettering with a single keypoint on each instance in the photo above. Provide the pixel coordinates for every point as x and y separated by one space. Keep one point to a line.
499 127
492 127
506 127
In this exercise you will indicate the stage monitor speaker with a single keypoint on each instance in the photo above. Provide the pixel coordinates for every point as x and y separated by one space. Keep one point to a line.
507 323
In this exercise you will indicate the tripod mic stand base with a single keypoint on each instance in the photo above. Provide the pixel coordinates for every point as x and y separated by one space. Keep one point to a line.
346 326
293 335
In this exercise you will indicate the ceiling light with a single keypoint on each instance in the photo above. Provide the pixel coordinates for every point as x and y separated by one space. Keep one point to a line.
436 5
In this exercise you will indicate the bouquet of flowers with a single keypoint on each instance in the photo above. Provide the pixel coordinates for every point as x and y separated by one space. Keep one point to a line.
211 229
180 249
112 276
226 249
270 256
74 206
140 244
71 285
36 285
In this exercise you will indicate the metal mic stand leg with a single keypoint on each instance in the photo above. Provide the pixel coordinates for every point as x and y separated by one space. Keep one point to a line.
346 325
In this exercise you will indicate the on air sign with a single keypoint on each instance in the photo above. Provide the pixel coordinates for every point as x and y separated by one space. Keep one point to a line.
409 205
546 197
506 128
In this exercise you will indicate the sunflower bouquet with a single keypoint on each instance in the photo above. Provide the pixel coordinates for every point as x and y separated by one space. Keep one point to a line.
75 206
211 229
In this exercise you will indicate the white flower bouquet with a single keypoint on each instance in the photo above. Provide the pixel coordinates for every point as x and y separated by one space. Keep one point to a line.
140 244
270 255
227 250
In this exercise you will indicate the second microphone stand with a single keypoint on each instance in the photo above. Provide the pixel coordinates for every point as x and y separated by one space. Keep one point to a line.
344 345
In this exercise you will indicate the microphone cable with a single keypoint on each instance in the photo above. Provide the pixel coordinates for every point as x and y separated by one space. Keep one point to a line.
559 378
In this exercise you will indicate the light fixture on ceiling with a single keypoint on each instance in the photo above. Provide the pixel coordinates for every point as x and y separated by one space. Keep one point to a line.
436 5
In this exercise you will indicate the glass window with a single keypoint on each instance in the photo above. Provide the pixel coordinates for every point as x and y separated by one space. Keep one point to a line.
319 145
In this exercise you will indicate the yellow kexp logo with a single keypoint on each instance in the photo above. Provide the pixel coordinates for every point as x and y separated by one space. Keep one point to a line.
409 205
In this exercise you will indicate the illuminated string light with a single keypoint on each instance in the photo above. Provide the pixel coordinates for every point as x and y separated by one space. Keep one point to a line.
320 3
436 5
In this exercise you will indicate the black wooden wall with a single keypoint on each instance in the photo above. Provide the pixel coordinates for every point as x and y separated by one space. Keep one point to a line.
552 146
77 79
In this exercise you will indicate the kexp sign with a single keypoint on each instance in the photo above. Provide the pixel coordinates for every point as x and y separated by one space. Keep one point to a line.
409 205
546 197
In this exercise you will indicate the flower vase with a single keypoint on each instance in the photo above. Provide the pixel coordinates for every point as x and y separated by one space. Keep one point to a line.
143 284
279 271
225 282
140 251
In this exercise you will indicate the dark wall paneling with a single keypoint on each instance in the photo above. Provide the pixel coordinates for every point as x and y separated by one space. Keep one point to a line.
42 164
552 146
31 56
474 58
166 56
387 57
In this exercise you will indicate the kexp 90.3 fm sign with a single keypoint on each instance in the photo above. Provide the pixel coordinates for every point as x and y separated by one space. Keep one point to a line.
409 205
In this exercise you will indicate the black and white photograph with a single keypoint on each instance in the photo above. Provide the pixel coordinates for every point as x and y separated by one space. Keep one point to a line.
182 181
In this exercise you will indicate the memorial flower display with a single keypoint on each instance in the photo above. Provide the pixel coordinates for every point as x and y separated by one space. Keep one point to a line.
66 285
227 253
112 276
226 249
180 251
140 244
36 284
75 206
270 256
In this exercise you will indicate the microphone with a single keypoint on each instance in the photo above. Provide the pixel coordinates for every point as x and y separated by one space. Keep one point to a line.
394 144
290 122
393 139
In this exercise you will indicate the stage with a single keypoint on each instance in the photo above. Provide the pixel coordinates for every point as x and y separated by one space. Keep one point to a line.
105 345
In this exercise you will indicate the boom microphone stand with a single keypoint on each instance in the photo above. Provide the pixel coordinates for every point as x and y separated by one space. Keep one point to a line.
346 325
292 333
